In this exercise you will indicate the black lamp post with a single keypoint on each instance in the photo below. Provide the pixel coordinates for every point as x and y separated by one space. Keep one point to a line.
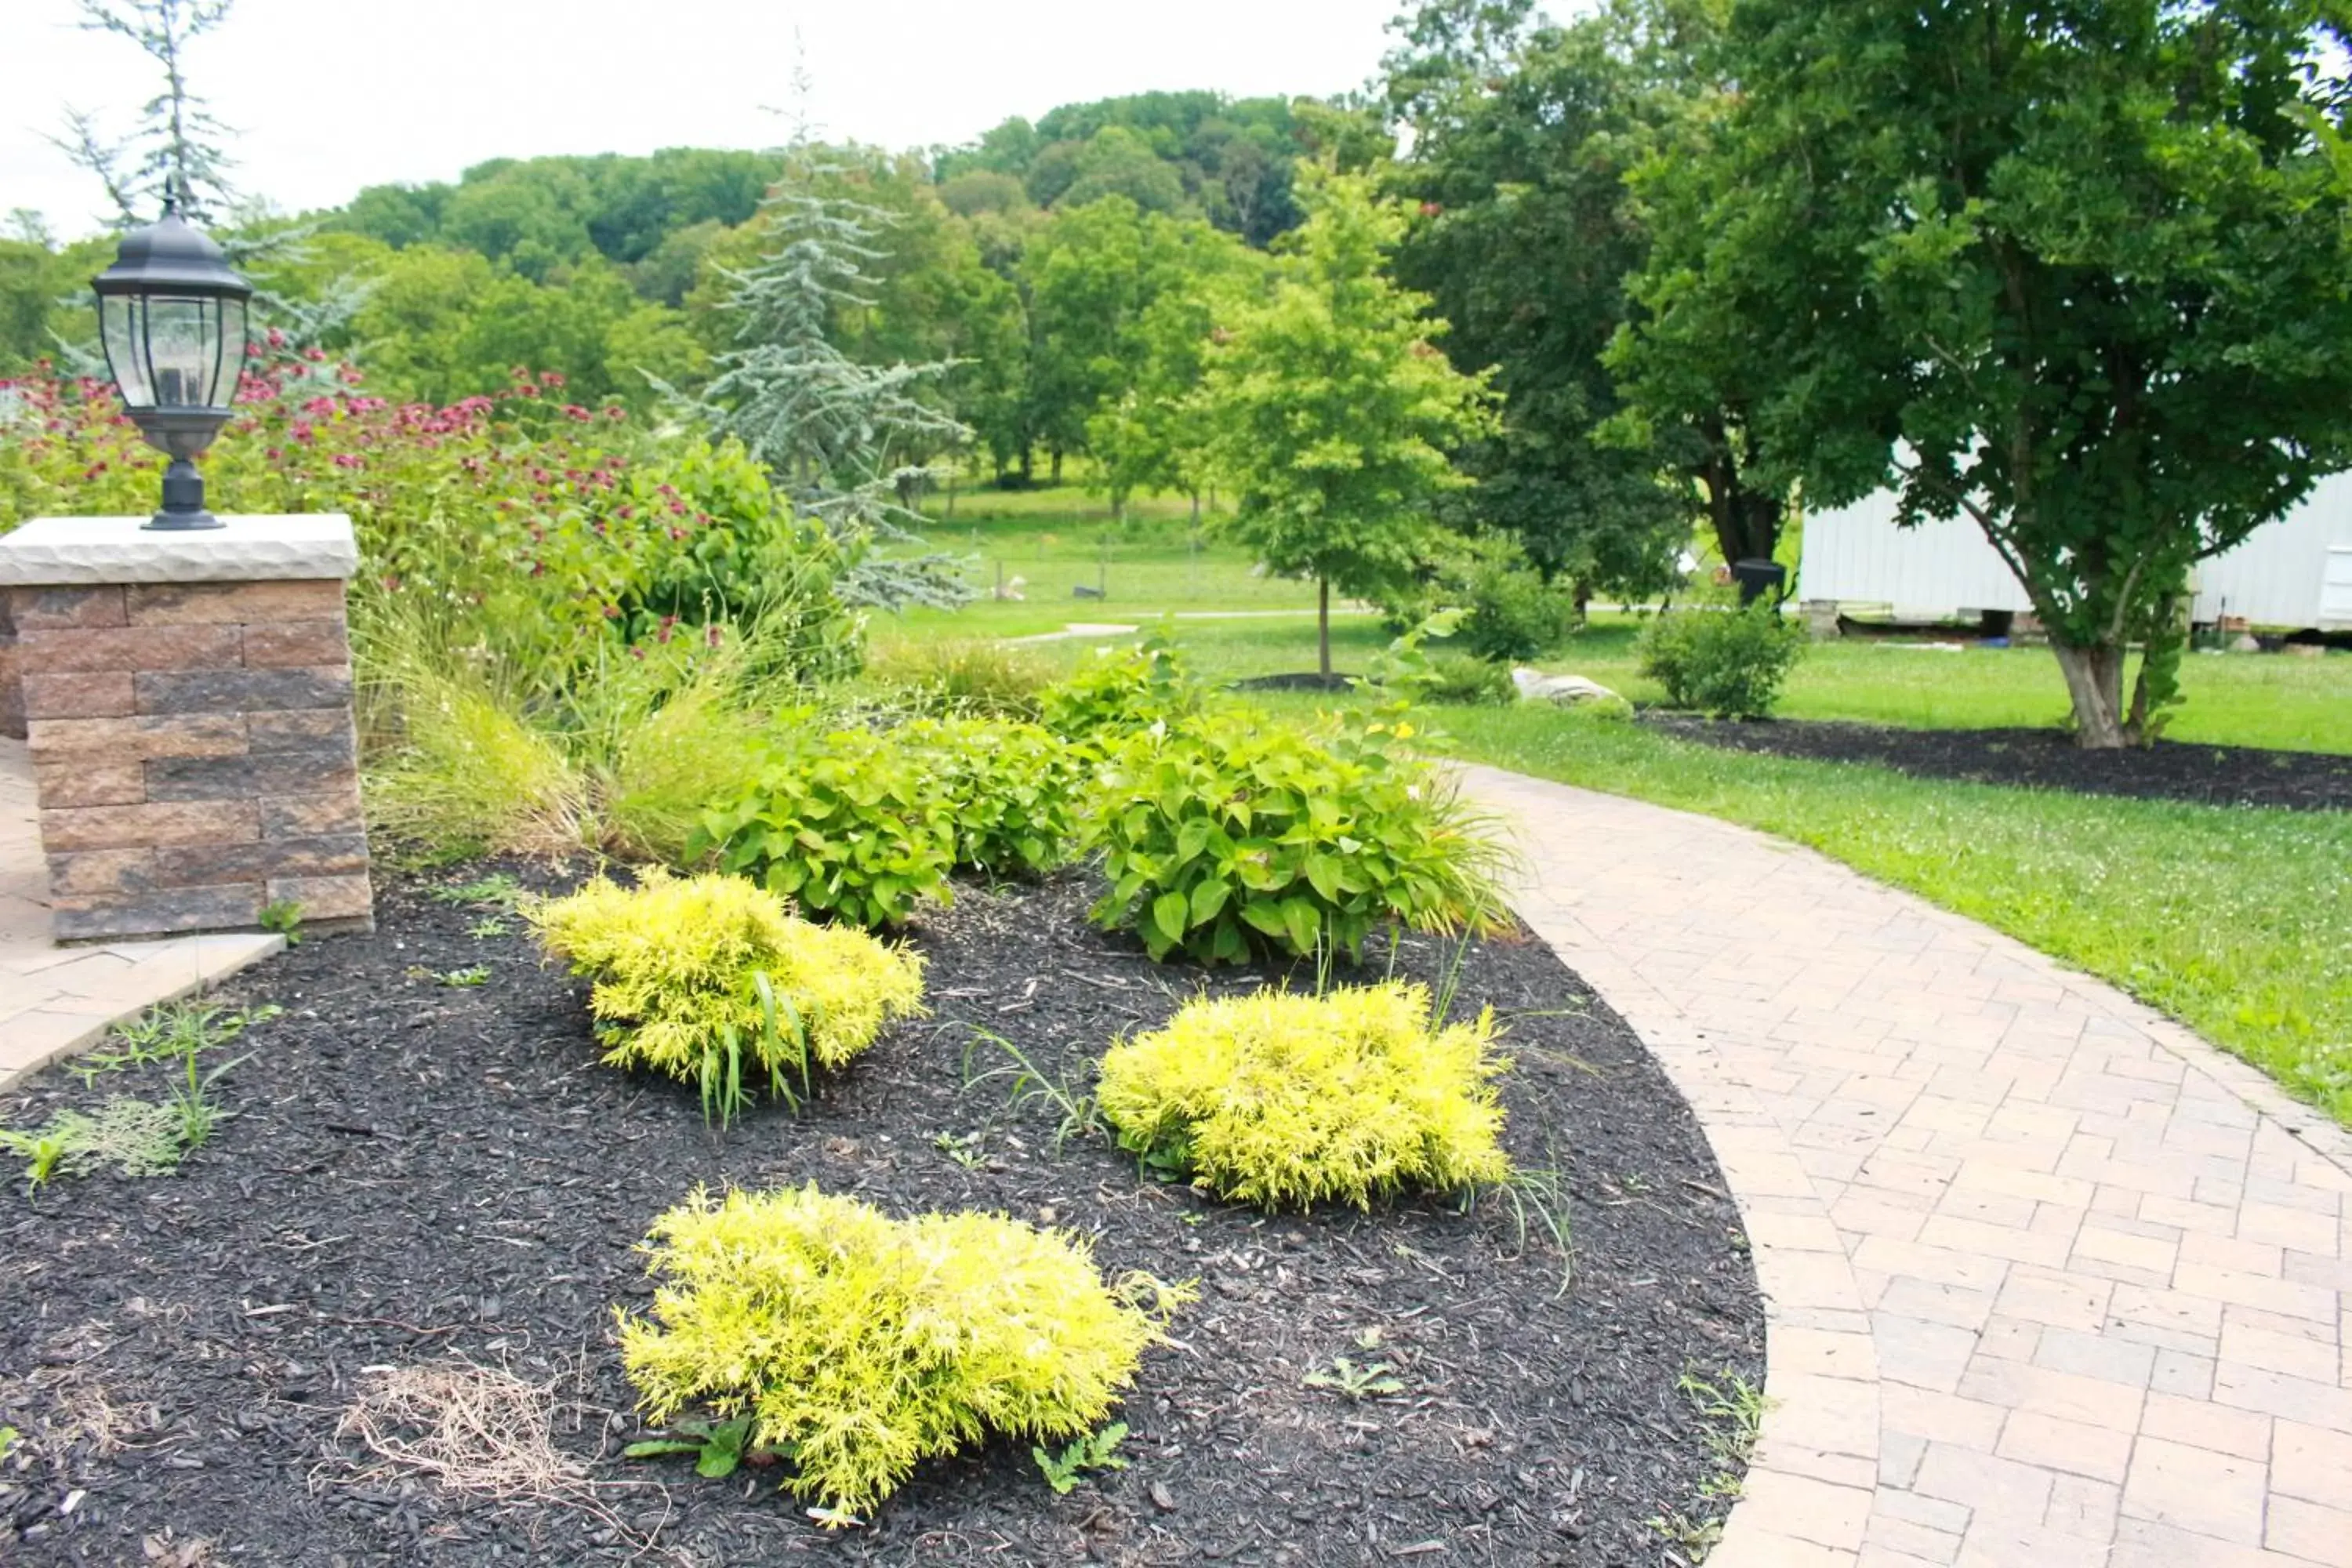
171 314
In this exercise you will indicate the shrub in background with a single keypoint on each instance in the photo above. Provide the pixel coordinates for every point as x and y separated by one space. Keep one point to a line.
1728 663
844 822
1120 691
707 979
1513 615
859 1345
1464 680
1509 614
1232 833
1288 1100
1012 790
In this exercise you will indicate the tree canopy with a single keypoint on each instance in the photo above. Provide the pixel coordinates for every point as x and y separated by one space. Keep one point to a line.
2077 271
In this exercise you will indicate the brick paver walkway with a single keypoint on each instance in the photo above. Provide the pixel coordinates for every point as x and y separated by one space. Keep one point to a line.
55 1000
2051 1281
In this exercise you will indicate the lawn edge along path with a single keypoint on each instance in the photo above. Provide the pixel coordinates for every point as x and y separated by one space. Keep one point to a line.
2049 1280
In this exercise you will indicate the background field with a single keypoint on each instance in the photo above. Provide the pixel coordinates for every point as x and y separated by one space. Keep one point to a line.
1152 565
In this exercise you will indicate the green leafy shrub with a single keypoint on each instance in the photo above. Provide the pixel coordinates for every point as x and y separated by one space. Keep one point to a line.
1012 790
1287 1100
1509 614
1119 692
1514 614
959 678
1231 833
1462 680
707 979
859 1345
1728 663
844 822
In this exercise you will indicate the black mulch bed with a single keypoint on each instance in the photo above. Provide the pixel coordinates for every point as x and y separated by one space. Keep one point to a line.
2046 759
1297 680
416 1172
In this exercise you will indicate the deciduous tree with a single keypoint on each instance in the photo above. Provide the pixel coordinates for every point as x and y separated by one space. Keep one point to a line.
1330 409
2076 271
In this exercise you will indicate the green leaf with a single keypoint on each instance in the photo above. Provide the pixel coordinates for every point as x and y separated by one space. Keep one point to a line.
1209 896
1324 872
1171 912
658 1447
1303 921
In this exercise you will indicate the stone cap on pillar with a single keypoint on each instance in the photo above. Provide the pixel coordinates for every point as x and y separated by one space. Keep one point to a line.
57 552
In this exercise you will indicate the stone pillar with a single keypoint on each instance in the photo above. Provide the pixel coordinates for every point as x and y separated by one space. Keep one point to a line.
188 707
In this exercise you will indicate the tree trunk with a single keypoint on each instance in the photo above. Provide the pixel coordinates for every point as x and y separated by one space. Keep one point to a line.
1323 625
1057 471
1028 467
1196 511
2095 681
1746 523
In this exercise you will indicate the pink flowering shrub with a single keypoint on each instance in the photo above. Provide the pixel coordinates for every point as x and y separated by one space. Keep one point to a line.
547 530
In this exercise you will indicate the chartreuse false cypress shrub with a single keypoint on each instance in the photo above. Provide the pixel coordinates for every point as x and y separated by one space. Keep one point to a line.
844 822
1287 1100
858 1345
1230 834
1012 790
707 979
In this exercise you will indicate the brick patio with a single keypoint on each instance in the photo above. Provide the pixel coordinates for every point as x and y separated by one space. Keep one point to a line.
2051 1281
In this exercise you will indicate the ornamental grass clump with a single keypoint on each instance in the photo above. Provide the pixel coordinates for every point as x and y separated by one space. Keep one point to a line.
709 980
1286 1100
858 1345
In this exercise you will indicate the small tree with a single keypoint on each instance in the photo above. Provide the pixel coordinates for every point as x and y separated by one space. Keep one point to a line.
1329 411
2078 271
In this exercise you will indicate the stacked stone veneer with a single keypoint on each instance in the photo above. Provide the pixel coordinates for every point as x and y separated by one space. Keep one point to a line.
192 749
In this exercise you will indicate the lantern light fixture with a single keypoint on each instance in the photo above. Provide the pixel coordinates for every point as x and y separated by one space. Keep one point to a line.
171 320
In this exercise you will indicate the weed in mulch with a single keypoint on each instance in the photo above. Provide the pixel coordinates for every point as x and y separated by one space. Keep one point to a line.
419 1175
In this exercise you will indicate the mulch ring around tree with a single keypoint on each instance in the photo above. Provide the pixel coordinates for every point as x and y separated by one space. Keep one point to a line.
2045 758
422 1179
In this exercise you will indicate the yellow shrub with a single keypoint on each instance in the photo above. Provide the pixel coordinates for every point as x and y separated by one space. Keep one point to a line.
706 977
859 1345
1286 1101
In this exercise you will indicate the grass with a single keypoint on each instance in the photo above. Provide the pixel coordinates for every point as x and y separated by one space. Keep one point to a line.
1151 565
1060 539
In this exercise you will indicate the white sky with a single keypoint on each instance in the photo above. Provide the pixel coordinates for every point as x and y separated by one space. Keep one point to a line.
327 96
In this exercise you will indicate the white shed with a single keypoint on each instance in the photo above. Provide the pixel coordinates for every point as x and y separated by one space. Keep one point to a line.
2294 572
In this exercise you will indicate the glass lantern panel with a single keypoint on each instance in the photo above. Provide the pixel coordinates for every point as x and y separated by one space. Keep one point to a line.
184 350
232 356
119 332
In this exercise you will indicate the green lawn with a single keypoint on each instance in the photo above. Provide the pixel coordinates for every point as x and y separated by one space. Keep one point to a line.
1152 565
2237 922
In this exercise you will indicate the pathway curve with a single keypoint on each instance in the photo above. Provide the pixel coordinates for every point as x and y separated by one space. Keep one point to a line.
57 1000
2050 1280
